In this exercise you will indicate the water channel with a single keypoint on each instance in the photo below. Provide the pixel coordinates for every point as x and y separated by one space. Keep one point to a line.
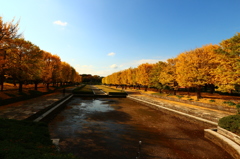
112 128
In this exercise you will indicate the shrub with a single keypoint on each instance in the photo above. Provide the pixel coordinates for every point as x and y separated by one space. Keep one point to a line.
230 123
190 99
238 108
230 103
179 96
211 100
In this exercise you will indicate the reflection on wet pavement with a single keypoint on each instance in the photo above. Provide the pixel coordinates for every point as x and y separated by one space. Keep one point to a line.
91 126
111 129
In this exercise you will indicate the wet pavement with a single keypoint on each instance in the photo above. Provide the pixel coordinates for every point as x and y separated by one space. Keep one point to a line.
112 128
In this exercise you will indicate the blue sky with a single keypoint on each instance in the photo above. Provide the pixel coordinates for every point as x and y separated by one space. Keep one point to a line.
100 37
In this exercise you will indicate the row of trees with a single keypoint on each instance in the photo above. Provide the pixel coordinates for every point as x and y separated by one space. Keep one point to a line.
213 66
23 61
91 79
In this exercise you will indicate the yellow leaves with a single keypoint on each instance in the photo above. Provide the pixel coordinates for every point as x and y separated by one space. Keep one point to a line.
143 74
168 74
210 64
195 66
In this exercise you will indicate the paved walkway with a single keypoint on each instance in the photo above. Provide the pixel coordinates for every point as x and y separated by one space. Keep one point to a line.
24 109
97 91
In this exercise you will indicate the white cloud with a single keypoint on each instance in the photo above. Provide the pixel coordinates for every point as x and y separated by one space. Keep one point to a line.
146 61
136 63
114 66
111 54
90 69
58 22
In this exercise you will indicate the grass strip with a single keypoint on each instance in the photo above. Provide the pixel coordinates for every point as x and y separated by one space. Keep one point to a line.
85 89
28 140
111 91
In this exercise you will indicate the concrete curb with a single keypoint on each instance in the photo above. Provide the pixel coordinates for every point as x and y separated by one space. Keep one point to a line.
228 109
228 145
49 112
176 112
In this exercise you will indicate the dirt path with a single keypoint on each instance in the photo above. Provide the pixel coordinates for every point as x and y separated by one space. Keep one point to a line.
112 128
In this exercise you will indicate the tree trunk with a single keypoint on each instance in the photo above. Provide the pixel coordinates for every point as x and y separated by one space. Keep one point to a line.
206 87
35 86
47 85
3 70
188 91
20 88
174 91
14 83
199 92
212 88
2 83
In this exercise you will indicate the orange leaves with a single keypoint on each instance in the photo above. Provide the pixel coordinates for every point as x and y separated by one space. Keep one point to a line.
24 61
143 74
210 64
195 67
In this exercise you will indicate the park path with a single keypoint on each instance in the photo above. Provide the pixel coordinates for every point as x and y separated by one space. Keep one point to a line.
24 109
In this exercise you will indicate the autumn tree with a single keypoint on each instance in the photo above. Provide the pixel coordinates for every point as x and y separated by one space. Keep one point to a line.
195 68
8 32
66 72
124 79
24 61
56 74
143 75
48 68
155 74
228 71
168 75
131 76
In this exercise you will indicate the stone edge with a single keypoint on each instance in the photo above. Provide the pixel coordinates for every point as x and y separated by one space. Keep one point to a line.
46 114
228 145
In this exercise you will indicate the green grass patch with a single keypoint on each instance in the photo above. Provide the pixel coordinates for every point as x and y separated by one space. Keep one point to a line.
230 123
109 90
85 89
238 108
230 103
158 94
211 100
28 140
179 96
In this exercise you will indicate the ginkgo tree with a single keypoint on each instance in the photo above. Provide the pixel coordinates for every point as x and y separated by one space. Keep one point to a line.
155 74
168 75
8 32
24 61
228 71
143 75
195 68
